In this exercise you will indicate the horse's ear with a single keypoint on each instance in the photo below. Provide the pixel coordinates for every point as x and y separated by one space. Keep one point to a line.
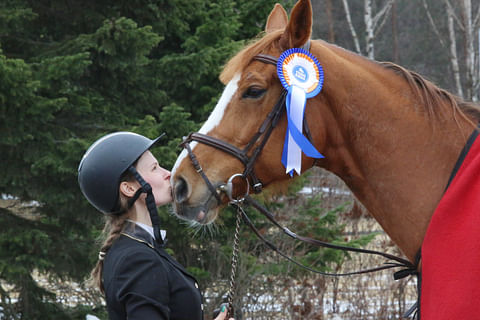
299 28
277 20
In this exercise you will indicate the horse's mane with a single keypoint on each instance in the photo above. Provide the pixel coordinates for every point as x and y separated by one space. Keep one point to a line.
430 94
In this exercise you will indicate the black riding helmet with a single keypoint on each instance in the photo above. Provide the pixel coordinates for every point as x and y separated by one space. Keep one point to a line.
103 165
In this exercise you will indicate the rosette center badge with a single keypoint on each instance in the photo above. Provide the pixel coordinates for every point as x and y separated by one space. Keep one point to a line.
300 68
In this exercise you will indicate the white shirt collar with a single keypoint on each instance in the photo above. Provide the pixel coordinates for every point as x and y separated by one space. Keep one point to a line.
149 229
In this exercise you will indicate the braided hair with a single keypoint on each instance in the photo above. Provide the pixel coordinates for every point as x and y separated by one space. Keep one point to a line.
114 226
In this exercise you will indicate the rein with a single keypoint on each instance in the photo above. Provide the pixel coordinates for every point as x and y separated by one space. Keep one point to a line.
395 262
398 262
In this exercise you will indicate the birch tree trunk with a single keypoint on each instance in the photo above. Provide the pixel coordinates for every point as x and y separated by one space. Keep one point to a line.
352 28
471 75
395 53
369 32
465 71
373 24
453 50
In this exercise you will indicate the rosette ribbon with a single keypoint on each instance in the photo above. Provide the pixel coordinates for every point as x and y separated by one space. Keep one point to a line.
302 76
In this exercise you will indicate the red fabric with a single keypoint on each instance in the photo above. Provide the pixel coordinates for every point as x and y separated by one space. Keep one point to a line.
451 248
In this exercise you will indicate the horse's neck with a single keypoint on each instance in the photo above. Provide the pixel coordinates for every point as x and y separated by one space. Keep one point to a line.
394 158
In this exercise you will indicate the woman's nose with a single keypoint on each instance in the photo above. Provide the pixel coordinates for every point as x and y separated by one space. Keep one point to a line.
166 174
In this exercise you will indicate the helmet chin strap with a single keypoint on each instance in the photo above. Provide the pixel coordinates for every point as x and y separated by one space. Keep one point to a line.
150 201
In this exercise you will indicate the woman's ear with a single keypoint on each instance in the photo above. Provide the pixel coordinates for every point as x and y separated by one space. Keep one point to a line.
128 189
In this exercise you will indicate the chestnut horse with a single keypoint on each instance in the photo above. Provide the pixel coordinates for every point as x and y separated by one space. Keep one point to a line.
390 135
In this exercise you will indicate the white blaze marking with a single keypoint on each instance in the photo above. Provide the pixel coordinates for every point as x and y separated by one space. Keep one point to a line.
214 118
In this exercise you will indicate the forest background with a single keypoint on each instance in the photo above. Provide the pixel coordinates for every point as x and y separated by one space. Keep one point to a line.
73 70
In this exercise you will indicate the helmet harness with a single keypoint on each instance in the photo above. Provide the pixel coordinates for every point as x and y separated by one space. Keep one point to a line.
145 187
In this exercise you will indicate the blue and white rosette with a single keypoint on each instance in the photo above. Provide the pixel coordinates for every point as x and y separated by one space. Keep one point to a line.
302 76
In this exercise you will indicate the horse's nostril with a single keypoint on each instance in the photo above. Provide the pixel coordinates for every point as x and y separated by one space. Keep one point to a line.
181 190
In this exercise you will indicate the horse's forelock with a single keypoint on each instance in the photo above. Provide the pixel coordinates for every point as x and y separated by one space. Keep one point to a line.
240 61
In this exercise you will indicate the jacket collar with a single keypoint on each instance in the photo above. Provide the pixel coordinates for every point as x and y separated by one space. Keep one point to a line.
134 231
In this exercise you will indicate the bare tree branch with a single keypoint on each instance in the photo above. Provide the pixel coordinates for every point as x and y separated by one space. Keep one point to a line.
382 13
459 21
384 17
432 23
477 16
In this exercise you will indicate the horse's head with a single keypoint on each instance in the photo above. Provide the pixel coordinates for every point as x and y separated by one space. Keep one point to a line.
252 90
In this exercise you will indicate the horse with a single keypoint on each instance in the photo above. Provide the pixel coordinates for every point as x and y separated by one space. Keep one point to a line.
392 136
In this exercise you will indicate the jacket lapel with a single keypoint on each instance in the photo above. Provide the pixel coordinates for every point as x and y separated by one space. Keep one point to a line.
139 234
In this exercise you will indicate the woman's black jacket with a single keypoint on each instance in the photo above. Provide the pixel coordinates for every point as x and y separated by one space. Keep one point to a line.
143 282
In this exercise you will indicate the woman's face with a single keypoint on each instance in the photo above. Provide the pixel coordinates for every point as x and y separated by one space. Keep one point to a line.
156 176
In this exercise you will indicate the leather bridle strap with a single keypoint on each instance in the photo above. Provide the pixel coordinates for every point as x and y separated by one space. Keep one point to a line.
263 132
199 169
266 58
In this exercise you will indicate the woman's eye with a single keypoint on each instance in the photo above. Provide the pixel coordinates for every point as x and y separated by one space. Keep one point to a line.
254 92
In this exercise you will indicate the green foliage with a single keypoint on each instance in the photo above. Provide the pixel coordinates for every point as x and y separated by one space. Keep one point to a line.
199 273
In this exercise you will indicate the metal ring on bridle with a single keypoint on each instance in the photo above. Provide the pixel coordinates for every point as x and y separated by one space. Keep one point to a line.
230 188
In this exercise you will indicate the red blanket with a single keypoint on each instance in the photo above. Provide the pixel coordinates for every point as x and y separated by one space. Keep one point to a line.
451 248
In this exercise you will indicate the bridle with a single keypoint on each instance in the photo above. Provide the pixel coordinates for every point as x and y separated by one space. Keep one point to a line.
246 156
263 133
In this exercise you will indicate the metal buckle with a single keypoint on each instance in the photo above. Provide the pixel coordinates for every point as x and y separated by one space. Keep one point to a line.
228 188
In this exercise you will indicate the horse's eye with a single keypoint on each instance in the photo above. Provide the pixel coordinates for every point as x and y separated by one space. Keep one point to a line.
254 92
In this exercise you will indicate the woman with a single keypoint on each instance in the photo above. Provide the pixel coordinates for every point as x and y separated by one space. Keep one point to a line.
121 178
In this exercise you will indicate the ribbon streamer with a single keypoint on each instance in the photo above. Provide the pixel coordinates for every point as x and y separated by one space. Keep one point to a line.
295 141
302 75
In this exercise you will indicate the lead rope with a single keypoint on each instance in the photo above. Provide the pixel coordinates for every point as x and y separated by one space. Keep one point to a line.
236 241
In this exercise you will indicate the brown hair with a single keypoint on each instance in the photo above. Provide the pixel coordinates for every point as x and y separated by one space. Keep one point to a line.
114 226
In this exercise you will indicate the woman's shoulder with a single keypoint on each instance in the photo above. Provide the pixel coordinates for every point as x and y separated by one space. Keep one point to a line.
132 266
127 253
129 257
